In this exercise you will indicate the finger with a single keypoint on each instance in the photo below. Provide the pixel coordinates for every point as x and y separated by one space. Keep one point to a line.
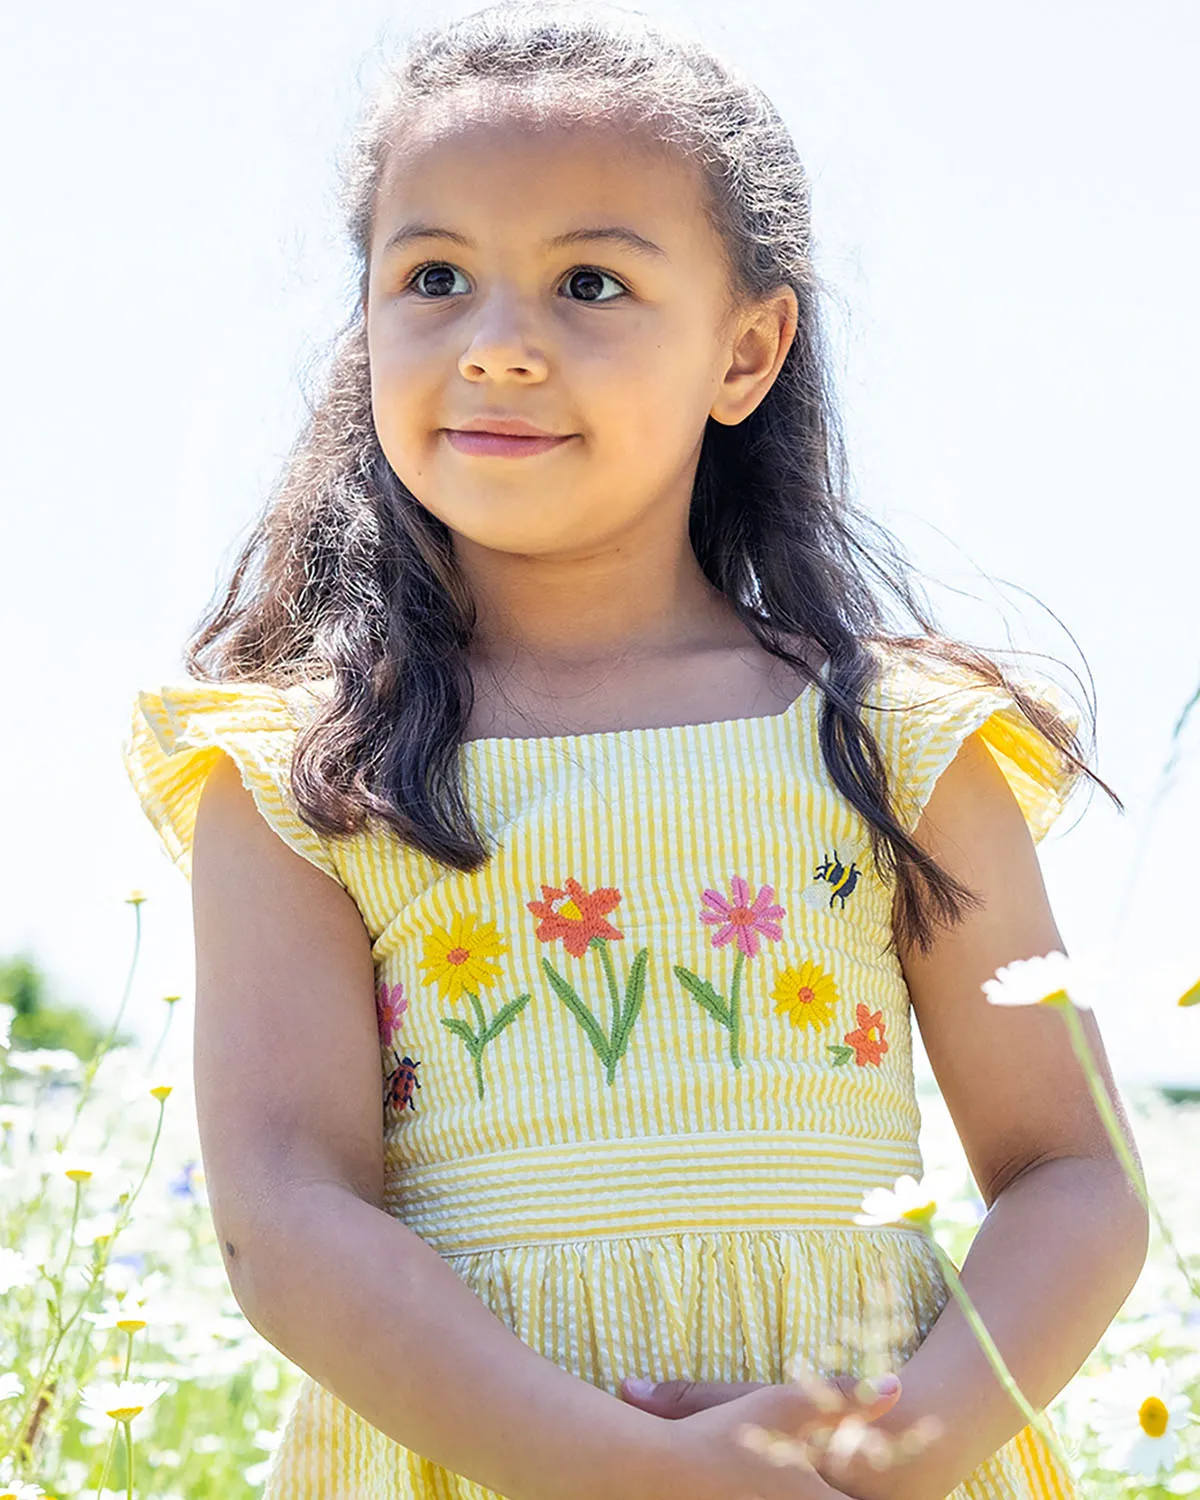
681 1398
868 1398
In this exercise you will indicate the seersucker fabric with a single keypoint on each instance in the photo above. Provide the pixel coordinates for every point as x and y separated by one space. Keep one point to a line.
637 1072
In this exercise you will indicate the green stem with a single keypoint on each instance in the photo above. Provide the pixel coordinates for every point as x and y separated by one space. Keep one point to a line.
1108 1115
112 1443
987 1343
735 1008
477 1049
611 975
129 1460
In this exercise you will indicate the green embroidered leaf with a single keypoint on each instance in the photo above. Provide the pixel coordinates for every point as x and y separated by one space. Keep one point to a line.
459 1028
582 1014
840 1054
504 1016
635 988
704 993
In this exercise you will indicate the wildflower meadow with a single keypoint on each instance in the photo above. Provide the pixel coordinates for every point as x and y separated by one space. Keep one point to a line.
126 1367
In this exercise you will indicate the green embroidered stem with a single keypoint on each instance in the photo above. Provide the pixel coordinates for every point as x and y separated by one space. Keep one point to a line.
579 1010
735 1008
610 975
1108 1115
488 1030
987 1343
635 987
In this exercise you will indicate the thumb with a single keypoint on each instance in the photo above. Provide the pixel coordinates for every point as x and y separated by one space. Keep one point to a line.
682 1398
867 1397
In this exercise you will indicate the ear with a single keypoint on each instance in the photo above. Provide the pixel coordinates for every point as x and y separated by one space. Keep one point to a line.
761 339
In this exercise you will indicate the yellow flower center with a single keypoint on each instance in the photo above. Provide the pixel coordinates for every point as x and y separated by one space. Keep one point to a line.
1152 1415
458 955
872 1034
1059 997
921 1215
570 910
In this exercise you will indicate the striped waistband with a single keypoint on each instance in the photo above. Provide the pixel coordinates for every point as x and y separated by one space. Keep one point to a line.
648 1185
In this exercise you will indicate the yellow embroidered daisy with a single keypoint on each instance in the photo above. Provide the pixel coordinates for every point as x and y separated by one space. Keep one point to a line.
462 959
807 995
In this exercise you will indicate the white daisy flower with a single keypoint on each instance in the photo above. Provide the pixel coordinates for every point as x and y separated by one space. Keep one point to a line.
122 1400
44 1060
10 1486
909 1202
1041 980
1138 1411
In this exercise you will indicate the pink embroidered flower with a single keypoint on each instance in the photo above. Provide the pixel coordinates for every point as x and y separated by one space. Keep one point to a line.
742 919
390 1005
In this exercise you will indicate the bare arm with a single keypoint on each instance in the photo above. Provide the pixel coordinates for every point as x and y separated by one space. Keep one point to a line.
1065 1235
289 1100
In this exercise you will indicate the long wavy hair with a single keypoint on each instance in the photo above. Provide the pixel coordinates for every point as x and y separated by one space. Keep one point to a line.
346 577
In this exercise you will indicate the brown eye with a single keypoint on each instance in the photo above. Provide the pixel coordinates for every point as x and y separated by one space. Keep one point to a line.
437 265
590 276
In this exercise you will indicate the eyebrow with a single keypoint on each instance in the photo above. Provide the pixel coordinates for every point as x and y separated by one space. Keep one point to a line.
631 240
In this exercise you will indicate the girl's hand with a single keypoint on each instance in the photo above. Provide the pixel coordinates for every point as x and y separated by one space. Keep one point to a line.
715 1454
829 1399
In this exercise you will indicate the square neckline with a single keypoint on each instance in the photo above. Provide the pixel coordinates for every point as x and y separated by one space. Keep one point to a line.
589 736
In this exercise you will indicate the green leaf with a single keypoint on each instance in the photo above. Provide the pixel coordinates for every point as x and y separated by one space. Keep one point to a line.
635 987
705 994
459 1028
840 1054
505 1015
582 1014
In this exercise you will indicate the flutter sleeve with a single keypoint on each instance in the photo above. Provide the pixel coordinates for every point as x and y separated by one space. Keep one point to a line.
940 706
178 732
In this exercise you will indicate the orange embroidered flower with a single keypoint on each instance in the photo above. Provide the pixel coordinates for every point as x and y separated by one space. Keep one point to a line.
807 995
868 1037
577 919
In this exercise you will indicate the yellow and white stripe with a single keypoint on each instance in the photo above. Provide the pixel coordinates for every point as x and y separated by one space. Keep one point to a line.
691 1217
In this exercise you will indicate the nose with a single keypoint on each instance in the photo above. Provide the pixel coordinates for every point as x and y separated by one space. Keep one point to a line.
503 344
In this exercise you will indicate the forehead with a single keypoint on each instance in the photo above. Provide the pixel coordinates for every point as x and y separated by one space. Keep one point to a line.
513 178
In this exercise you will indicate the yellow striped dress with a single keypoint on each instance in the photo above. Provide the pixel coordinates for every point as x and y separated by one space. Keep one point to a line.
639 1070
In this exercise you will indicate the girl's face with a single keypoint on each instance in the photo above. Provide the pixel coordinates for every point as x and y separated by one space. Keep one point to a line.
623 349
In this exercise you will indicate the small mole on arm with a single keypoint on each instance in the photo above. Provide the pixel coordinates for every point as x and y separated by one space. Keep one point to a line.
229 1250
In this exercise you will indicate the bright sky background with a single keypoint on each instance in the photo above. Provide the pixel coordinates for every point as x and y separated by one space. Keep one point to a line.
1005 199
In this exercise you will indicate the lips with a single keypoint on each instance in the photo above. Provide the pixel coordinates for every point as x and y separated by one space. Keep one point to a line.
501 445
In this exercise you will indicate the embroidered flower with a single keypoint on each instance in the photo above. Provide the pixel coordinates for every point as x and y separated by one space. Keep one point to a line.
390 1005
868 1037
578 918
463 958
807 995
741 919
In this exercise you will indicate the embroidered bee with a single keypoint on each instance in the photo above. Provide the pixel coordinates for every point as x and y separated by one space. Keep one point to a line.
834 873
398 1089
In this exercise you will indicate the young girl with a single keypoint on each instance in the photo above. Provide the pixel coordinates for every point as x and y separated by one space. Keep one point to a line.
557 752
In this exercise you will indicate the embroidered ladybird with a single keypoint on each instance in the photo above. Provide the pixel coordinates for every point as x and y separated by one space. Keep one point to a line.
398 1089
